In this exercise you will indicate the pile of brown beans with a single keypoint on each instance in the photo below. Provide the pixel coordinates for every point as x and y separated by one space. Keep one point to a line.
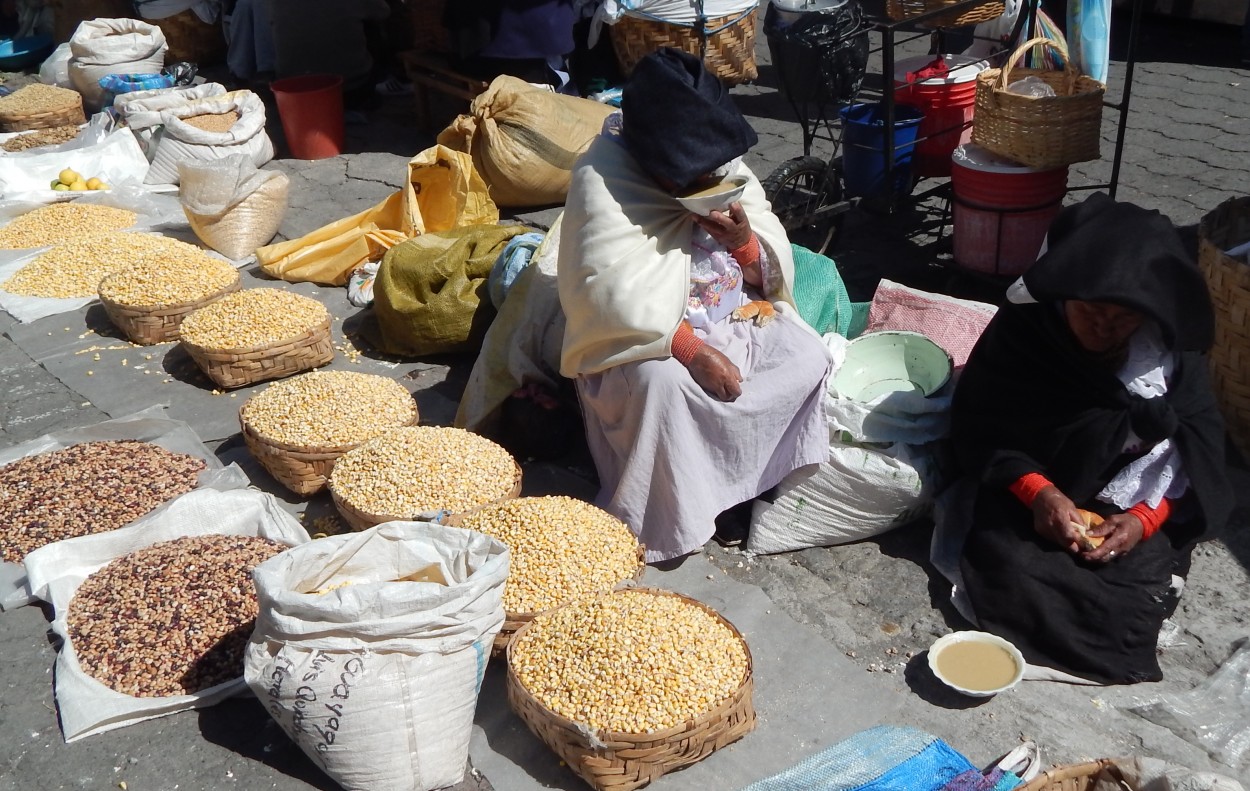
87 488
170 619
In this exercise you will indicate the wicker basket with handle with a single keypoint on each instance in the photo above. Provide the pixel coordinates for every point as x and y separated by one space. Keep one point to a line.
1229 281
239 367
611 761
1078 777
149 325
899 10
1043 132
726 44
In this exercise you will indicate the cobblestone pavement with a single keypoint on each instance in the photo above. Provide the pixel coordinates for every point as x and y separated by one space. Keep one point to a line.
1187 148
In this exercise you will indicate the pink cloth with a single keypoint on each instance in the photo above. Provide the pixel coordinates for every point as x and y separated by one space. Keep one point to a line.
954 324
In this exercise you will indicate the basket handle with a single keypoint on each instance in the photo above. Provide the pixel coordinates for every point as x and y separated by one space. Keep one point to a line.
1069 72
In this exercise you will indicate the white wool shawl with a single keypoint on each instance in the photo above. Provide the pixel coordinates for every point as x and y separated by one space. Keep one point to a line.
625 251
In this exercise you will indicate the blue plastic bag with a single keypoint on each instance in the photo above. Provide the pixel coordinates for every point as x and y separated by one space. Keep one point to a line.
1089 36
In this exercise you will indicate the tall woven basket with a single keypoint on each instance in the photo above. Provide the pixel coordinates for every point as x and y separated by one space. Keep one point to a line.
359 519
899 10
726 44
611 761
146 326
1229 280
1077 777
239 367
192 39
1043 132
303 469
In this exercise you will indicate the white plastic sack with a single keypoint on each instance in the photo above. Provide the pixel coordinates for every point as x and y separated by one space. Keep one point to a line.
182 142
102 47
376 676
858 493
233 206
141 110
88 707
1152 774
114 157
149 425
55 68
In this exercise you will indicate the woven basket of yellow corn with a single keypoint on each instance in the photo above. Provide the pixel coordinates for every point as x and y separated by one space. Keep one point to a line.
39 106
258 334
421 472
562 549
149 303
632 684
298 428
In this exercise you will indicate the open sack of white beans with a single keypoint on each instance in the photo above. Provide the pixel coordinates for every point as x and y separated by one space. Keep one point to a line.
370 648
154 617
105 476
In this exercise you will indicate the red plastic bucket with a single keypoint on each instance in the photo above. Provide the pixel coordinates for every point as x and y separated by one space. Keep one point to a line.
1002 210
311 109
947 103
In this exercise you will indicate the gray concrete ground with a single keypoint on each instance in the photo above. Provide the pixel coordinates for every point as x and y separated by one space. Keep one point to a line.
838 633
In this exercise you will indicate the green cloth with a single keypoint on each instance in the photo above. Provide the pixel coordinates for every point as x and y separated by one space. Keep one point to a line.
821 297
430 295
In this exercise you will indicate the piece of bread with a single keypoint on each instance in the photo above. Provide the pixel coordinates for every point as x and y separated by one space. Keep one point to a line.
760 310
1091 519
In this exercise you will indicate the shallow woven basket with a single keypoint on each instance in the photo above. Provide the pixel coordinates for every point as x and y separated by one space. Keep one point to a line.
358 519
513 621
899 10
1229 280
146 326
1077 777
191 39
25 120
730 53
304 469
625 761
238 367
1043 132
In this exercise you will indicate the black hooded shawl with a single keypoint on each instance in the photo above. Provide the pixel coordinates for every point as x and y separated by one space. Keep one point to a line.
1032 400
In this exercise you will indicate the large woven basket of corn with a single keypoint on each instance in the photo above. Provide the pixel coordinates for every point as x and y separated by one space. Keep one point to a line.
726 44
39 106
421 472
298 428
562 549
899 10
1228 278
147 325
598 696
258 334
1043 132
1077 777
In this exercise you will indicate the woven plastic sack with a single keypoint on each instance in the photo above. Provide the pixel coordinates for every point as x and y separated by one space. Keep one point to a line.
102 47
524 140
233 206
885 758
370 650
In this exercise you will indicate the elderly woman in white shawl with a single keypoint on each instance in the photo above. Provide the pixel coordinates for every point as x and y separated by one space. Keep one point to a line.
689 410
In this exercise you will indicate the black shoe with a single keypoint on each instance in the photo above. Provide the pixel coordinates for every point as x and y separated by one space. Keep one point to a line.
733 526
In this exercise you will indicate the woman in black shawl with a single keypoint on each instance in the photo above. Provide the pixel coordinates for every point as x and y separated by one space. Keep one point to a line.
1089 390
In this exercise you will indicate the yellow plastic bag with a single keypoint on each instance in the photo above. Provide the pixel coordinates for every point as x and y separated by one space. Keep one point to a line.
443 191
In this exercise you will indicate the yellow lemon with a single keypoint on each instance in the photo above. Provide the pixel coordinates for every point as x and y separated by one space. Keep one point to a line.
94 183
60 187
68 176
78 186
102 186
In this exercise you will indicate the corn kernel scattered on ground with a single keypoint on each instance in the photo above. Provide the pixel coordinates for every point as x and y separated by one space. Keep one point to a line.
251 318
409 471
629 661
562 549
329 409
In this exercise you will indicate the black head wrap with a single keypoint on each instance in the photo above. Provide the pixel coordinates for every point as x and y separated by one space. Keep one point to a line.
679 120
1101 250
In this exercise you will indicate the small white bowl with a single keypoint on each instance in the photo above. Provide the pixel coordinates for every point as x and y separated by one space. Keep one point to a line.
944 642
703 205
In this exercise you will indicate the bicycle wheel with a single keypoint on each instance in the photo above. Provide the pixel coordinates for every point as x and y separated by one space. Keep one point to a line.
806 195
